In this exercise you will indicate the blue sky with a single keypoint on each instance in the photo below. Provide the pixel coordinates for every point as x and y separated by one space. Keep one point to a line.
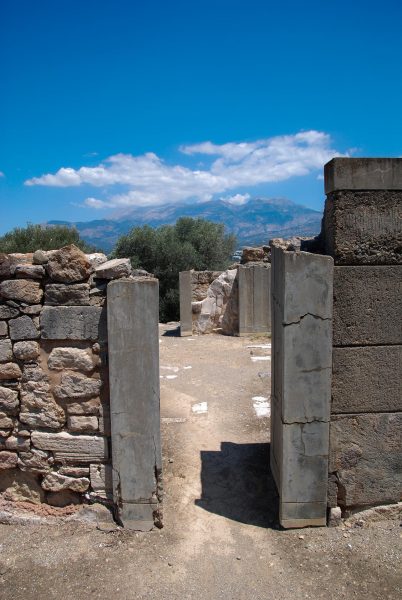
106 105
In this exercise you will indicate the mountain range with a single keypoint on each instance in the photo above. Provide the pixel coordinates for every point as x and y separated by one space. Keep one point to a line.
253 222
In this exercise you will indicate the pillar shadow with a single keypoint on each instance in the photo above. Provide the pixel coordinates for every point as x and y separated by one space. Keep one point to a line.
174 332
237 483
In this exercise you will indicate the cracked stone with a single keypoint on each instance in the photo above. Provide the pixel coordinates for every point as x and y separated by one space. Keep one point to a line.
54 482
22 290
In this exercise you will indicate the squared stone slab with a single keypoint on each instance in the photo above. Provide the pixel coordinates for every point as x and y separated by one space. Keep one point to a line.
364 227
366 456
363 174
72 448
74 294
367 379
254 299
73 323
303 514
367 305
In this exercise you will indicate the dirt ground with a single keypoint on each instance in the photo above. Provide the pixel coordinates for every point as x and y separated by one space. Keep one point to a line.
221 538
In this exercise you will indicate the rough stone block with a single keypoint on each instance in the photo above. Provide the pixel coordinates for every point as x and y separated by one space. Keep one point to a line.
26 351
8 400
9 371
366 456
69 448
363 174
82 424
8 312
29 271
35 461
3 328
68 265
114 269
363 227
77 387
21 290
367 379
73 323
38 407
6 351
8 460
23 328
101 480
84 407
73 359
367 305
76 294
55 482
6 422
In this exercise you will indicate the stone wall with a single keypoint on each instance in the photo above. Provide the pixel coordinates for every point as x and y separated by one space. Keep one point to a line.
362 232
210 309
54 391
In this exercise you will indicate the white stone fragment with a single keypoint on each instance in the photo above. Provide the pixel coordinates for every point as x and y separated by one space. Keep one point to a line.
262 406
200 408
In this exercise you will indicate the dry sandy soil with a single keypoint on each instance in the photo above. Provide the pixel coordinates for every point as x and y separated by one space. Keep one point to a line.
221 538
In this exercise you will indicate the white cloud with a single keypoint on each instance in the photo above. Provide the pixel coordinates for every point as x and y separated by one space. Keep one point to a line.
238 199
147 180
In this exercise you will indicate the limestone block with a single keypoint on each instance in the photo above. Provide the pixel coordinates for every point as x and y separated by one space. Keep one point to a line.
8 263
74 448
363 174
23 328
41 257
8 460
74 471
82 424
54 482
75 294
35 461
17 443
6 351
68 265
6 422
363 227
250 254
8 312
367 305
114 269
3 328
101 480
302 514
73 323
84 407
8 400
77 387
367 379
96 259
9 371
29 271
73 359
366 455
26 350
22 290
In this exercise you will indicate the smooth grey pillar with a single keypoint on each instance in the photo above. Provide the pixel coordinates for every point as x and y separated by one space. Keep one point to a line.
133 306
301 384
186 314
254 300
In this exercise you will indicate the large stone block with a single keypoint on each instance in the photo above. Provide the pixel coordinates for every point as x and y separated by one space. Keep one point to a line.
22 290
76 294
113 269
254 299
363 174
363 227
366 456
73 323
68 265
367 305
68 447
367 379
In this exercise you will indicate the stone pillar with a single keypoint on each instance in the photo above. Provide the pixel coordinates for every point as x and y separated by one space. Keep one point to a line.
362 231
186 315
301 384
254 299
134 400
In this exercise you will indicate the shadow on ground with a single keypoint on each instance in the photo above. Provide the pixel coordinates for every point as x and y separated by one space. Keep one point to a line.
237 483
174 332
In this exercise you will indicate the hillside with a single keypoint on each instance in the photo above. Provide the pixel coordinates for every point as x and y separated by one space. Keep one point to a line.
254 222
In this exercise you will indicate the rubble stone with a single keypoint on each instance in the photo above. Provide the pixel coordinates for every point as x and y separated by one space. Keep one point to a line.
22 290
20 444
74 359
35 461
8 312
85 407
8 400
38 407
3 328
9 370
76 294
26 350
54 482
101 480
6 351
68 265
82 424
29 271
23 328
6 422
76 387
114 269
96 259
8 460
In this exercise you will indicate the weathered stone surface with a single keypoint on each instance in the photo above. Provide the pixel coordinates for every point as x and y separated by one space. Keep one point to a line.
41 257
8 460
29 271
9 371
254 299
252 255
74 471
213 307
82 424
32 309
8 312
367 305
38 407
366 456
96 259
6 422
35 461
75 294
101 480
73 323
20 444
114 269
73 359
26 350
8 400
186 319
18 486
367 379
363 174
8 263
22 290
23 328
85 407
68 265
77 387
6 351
3 328
62 498
363 227
69 448
54 482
